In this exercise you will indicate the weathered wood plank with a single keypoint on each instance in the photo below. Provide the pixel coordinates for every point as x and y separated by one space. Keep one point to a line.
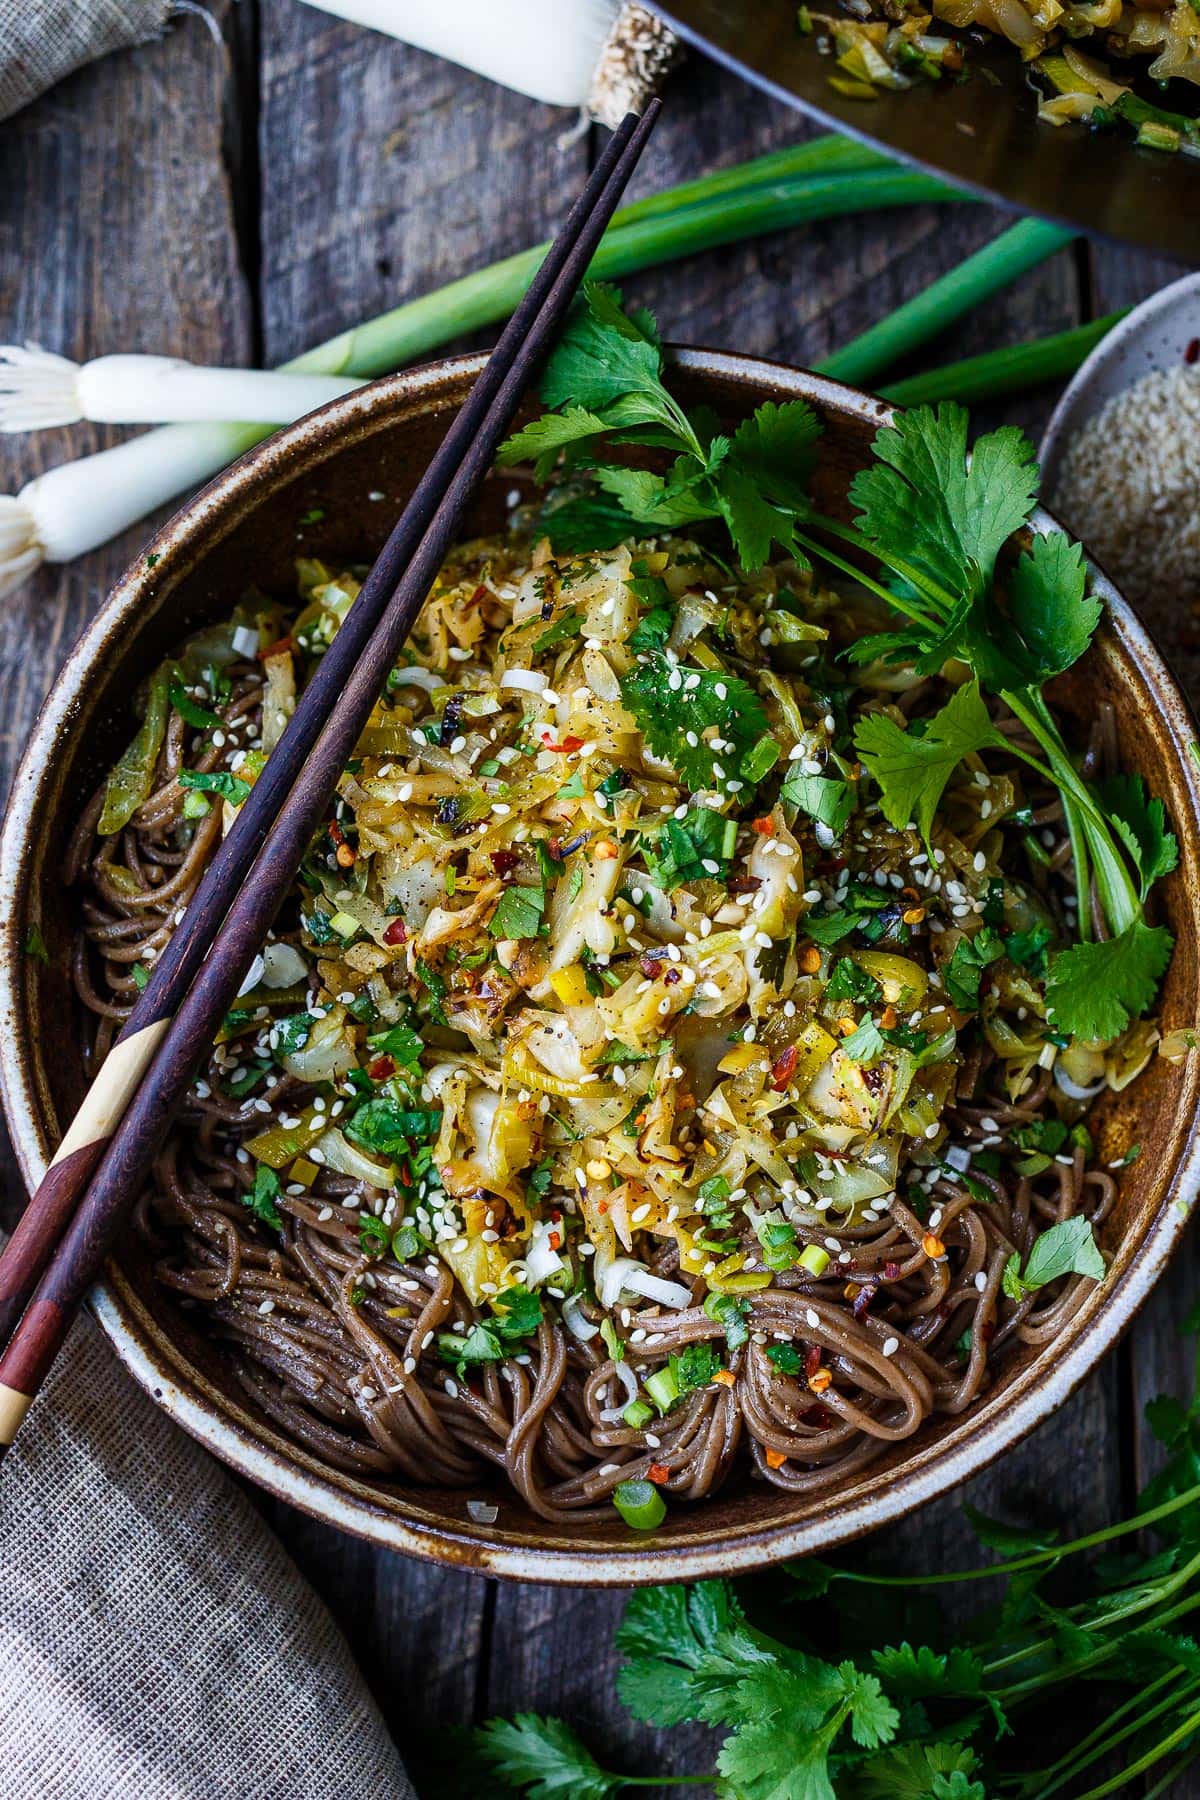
116 233
388 172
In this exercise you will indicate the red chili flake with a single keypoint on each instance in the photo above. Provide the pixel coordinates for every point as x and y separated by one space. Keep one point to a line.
819 1417
554 1240
672 976
812 1359
891 1271
744 884
862 1301
481 593
504 861
651 965
784 1068
658 1473
764 827
404 1177
1192 353
568 746
381 1068
396 933
556 1216
277 648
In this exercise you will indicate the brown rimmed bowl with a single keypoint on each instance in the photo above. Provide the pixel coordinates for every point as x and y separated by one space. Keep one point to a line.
354 463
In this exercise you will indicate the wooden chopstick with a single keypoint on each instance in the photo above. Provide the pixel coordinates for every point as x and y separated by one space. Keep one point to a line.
44 1220
58 1248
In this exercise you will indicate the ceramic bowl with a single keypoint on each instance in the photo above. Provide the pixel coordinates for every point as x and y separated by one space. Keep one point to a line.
354 463
1157 335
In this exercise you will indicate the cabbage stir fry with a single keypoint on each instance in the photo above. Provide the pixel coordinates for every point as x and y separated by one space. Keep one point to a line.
1082 59
608 979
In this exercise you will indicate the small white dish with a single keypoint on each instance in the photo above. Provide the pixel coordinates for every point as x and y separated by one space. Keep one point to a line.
1155 336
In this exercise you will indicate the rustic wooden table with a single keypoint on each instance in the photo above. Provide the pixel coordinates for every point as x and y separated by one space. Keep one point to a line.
254 183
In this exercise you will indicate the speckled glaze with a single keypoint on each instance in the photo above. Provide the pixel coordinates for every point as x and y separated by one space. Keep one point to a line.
1153 336
244 529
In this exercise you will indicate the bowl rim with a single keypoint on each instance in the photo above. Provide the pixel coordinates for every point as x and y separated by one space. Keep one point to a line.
237 1438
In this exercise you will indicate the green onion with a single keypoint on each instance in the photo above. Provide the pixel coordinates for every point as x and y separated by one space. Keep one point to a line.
814 1259
825 179
196 805
640 1504
1006 371
637 1414
662 1388
952 296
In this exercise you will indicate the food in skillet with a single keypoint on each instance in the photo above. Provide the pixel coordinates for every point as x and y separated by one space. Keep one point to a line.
1086 62
676 1054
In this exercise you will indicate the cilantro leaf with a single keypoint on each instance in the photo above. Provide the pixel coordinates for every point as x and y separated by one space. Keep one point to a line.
848 982
542 439
1010 1540
219 781
1068 1248
776 448
1096 988
730 1311
865 1044
1140 820
518 913
262 1197
567 626
651 499
696 848
951 516
544 1759
825 798
390 1129
578 518
964 971
701 700
911 768
789 1719
401 1043
688 1648
921 1771
1049 605
603 356
755 523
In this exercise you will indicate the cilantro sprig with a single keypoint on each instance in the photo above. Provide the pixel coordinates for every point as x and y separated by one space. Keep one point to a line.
1082 1678
940 520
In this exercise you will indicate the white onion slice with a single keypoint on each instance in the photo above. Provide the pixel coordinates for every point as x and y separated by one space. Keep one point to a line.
245 640
576 1324
417 677
654 1287
1073 1090
542 1261
612 1278
625 1375
283 966
254 975
530 681
624 1274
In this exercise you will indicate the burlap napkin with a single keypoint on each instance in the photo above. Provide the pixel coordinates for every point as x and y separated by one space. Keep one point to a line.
43 40
155 1639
